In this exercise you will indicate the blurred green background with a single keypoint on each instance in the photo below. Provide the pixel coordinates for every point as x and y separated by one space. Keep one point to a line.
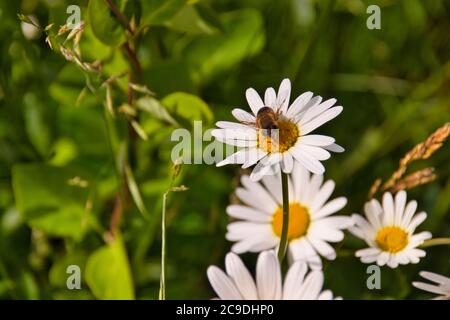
67 165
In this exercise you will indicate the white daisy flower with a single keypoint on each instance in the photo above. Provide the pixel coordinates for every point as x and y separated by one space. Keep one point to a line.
389 231
284 141
310 225
238 284
441 285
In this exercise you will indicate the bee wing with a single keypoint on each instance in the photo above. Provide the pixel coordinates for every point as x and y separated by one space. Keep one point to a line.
280 105
249 123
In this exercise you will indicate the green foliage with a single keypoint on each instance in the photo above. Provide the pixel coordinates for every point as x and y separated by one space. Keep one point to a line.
105 27
85 134
108 274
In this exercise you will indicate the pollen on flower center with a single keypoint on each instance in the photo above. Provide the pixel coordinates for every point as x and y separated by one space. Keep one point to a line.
279 140
392 239
299 220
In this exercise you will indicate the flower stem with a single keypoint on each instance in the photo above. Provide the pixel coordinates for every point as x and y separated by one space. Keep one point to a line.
285 228
162 283
436 242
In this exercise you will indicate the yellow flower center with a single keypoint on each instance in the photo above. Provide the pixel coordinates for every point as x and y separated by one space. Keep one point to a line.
278 140
392 239
299 220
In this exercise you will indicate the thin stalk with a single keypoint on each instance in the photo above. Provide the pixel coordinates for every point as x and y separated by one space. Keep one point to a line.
436 242
285 227
162 283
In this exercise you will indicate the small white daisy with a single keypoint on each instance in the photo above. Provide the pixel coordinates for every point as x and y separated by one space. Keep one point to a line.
238 284
441 285
389 231
292 141
310 225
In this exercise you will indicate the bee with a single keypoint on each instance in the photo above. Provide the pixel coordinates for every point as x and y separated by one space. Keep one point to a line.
267 119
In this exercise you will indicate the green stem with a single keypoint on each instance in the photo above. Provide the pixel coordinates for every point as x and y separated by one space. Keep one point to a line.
162 284
285 228
436 242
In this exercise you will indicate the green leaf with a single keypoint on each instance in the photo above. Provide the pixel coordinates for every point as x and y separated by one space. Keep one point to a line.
209 15
188 20
36 123
156 12
64 222
210 55
188 107
48 200
104 25
108 272
154 107
135 193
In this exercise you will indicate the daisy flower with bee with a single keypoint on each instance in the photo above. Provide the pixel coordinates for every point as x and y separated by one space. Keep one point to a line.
276 134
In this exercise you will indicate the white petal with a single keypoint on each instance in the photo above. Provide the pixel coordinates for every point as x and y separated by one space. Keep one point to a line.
323 248
288 163
417 239
316 152
367 252
241 277
294 280
254 100
264 166
334 148
400 201
317 110
237 157
312 286
430 288
248 134
325 295
321 230
331 207
268 276
250 199
247 213
388 207
270 97
320 120
411 208
222 285
309 162
298 104
242 115
312 189
322 196
252 156
273 185
417 220
301 180
245 229
231 125
284 93
383 258
302 250
260 193
435 277
316 140
247 245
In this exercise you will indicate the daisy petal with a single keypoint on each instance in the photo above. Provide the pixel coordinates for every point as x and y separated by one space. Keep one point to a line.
254 100
242 115
299 104
222 284
320 120
268 276
241 276
270 97
316 140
